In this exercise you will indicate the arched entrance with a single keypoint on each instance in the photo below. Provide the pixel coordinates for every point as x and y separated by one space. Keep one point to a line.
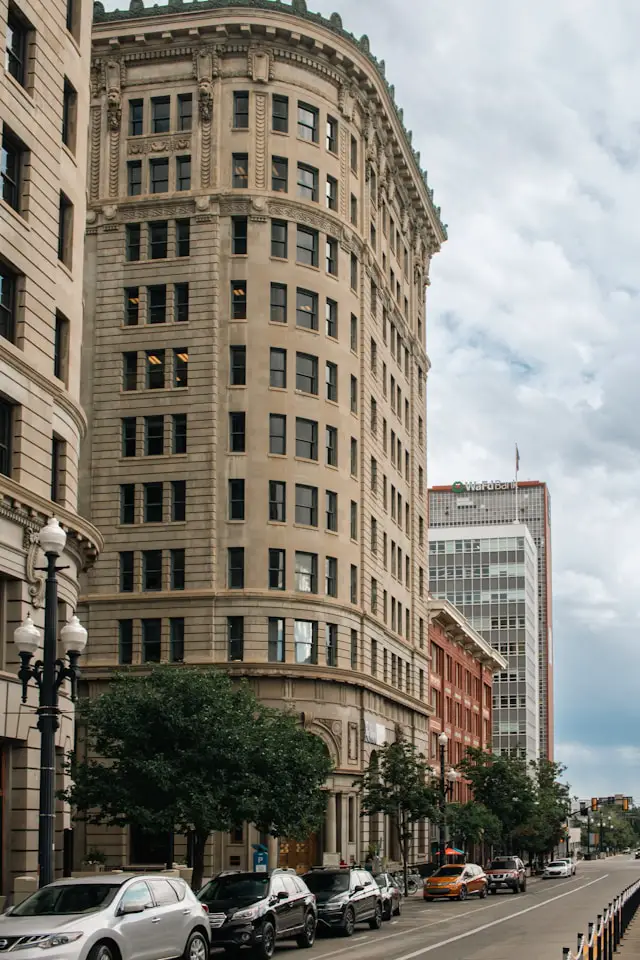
301 855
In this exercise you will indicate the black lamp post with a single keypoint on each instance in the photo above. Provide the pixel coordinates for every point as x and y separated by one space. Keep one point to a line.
446 792
49 673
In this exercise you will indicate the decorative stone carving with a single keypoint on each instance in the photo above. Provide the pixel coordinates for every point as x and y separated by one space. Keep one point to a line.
202 203
336 21
347 96
98 10
136 7
353 741
233 207
94 168
109 212
364 44
157 213
114 98
204 74
159 145
261 139
299 214
259 67
299 6
34 577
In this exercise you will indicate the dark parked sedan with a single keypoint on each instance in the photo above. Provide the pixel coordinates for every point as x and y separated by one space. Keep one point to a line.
391 896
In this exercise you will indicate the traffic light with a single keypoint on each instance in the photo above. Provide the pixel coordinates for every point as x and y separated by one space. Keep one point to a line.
594 804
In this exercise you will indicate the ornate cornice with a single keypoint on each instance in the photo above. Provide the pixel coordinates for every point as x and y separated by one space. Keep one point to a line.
16 359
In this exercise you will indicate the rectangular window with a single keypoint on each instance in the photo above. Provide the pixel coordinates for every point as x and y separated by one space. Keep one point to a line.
331 510
306 439
185 111
240 109
238 299
176 639
305 636
307 246
280 114
354 209
134 178
178 500
152 569
353 335
331 644
240 170
16 49
179 433
332 135
235 568
306 573
238 366
353 584
331 577
160 114
374 596
374 475
354 395
331 440
307 183
158 239
354 520
159 175
237 434
332 193
153 498
331 319
277 575
354 649
130 370
181 302
235 638
277 501
157 304
331 256
236 499
128 434
354 272
374 416
354 457
279 245
306 309
183 173
278 303
354 154
136 118
279 174
331 381
132 242
183 238
151 640
276 648
8 303
180 367
177 569
307 373
277 434
374 657
126 571
12 156
306 505
125 641
307 122
58 456
239 235
277 368
65 230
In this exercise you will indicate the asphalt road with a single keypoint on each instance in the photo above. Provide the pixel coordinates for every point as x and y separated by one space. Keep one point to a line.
535 925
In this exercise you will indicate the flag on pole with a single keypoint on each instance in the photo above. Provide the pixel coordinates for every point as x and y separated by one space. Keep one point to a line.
517 460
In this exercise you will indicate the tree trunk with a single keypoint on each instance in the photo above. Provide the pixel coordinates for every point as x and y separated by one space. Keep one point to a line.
402 834
199 843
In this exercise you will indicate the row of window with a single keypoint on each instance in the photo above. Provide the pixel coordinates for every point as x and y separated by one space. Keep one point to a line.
11 290
155 442
399 624
154 505
156 367
303 638
307 118
393 669
159 175
159 304
58 475
158 235
160 115
151 630
306 439
156 568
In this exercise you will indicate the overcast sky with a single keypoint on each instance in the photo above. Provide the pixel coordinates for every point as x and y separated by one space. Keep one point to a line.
527 116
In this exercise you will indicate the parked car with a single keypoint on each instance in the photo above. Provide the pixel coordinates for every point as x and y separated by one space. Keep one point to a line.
456 881
556 868
506 873
637 857
258 910
109 917
345 897
391 896
572 865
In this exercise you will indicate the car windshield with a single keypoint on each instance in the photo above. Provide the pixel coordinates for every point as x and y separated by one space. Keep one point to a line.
503 865
558 863
327 882
451 871
247 889
67 899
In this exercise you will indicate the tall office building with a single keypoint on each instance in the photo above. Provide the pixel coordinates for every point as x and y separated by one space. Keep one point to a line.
483 504
259 239
43 157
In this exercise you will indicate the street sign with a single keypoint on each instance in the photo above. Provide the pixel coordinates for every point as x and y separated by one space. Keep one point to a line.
260 861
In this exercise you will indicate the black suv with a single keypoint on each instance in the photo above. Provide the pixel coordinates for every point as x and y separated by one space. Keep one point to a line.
345 897
257 909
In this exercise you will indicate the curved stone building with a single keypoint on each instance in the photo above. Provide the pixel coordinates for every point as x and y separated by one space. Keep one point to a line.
45 110
259 242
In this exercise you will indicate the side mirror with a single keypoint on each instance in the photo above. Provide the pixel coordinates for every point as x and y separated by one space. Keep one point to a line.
132 906
282 895
358 888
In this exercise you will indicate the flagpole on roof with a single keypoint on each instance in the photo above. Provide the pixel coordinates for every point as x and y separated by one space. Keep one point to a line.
517 518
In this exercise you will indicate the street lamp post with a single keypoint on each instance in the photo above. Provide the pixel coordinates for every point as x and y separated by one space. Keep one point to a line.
48 674
446 792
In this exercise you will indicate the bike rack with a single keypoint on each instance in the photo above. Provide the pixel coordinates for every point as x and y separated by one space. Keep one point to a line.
605 935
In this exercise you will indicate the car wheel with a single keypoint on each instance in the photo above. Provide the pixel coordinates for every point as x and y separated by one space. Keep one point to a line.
349 922
483 893
308 936
516 888
101 951
493 891
398 909
463 893
428 899
524 886
197 947
267 947
387 911
376 920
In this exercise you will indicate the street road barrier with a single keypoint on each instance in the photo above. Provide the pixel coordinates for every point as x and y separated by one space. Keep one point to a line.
607 932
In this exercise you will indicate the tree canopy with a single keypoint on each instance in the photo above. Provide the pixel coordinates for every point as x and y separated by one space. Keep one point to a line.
473 823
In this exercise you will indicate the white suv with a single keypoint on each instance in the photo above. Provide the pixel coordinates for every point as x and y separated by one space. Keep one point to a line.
108 917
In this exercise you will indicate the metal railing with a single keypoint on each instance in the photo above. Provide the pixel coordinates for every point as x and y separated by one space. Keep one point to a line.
606 933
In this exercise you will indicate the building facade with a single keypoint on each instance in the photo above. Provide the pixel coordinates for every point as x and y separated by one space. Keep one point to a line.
490 573
470 504
258 248
45 110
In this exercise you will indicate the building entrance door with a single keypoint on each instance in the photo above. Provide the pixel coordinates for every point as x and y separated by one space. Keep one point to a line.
300 854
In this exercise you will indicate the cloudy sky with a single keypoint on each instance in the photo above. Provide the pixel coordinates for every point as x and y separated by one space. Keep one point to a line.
527 117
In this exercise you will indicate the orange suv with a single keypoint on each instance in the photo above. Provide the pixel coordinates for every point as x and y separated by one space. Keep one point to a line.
456 881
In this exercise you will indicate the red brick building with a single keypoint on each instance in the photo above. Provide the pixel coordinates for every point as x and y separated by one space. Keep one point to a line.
460 688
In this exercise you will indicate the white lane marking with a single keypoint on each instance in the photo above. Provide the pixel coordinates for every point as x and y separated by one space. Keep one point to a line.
495 923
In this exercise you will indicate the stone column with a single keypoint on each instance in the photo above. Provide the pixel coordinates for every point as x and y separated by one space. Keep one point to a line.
344 810
330 841
272 847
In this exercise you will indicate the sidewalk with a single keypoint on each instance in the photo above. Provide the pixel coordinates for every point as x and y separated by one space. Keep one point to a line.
630 946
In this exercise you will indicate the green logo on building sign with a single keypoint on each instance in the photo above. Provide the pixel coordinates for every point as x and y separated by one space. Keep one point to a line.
459 487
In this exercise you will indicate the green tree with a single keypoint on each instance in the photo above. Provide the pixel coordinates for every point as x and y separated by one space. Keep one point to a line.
396 783
473 823
503 785
546 825
176 750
